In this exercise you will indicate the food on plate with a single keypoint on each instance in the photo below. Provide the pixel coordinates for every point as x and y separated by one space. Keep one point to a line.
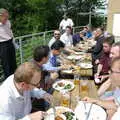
61 84
58 118
68 86
69 115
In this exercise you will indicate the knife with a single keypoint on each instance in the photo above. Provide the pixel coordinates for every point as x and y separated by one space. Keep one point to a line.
88 114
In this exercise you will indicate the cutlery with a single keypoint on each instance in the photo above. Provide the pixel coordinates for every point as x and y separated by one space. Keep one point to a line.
88 114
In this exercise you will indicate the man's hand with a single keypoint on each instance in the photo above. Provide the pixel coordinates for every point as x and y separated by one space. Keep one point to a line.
89 100
37 115
54 75
97 61
48 97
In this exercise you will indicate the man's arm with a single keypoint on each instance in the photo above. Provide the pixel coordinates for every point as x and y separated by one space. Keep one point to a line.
107 104
104 87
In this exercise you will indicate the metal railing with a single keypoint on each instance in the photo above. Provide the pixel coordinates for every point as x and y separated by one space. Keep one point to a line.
27 43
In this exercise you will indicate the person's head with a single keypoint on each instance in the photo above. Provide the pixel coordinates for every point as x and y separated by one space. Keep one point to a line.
99 32
27 76
57 34
82 33
68 30
107 44
115 72
115 50
85 29
57 46
4 15
41 54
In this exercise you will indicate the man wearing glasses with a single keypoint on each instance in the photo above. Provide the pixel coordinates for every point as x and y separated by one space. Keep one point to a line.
16 93
55 38
112 103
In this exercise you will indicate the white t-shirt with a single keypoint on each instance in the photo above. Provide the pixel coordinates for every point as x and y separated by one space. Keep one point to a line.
66 39
64 23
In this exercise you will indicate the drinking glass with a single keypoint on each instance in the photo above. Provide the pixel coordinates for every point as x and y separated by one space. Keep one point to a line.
76 79
65 99
84 85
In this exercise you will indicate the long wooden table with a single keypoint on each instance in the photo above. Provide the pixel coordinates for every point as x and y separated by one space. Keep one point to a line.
82 71
75 93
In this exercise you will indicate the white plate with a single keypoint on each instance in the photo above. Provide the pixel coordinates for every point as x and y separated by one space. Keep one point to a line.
62 88
96 113
74 57
59 112
67 71
85 65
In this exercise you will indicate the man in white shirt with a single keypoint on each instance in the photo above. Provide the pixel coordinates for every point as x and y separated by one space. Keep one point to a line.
7 50
16 93
65 22
56 37
66 38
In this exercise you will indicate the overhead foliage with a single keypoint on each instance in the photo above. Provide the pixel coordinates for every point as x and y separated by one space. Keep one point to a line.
30 16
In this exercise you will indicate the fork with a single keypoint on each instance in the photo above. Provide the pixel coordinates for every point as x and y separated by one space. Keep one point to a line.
84 103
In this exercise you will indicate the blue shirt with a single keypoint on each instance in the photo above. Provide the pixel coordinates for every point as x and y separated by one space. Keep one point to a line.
76 39
115 94
51 65
88 34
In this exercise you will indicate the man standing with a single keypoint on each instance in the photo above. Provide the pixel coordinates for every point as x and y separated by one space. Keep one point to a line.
65 22
7 50
16 92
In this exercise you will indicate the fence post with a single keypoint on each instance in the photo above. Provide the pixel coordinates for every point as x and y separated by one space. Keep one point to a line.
44 38
21 52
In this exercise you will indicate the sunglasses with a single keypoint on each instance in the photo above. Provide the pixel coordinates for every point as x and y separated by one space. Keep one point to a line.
57 34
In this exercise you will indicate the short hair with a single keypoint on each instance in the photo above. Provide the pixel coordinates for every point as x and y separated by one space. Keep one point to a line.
86 27
69 27
116 44
82 32
25 72
109 40
116 60
57 45
40 52
2 11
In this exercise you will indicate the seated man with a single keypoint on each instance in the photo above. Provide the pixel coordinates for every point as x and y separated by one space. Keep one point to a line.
114 52
52 64
66 38
104 61
112 104
17 91
40 57
78 37
87 31
56 37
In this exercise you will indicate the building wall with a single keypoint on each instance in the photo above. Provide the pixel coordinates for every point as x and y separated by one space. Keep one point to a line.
113 8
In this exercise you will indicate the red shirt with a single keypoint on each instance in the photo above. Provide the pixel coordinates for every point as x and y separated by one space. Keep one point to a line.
105 61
